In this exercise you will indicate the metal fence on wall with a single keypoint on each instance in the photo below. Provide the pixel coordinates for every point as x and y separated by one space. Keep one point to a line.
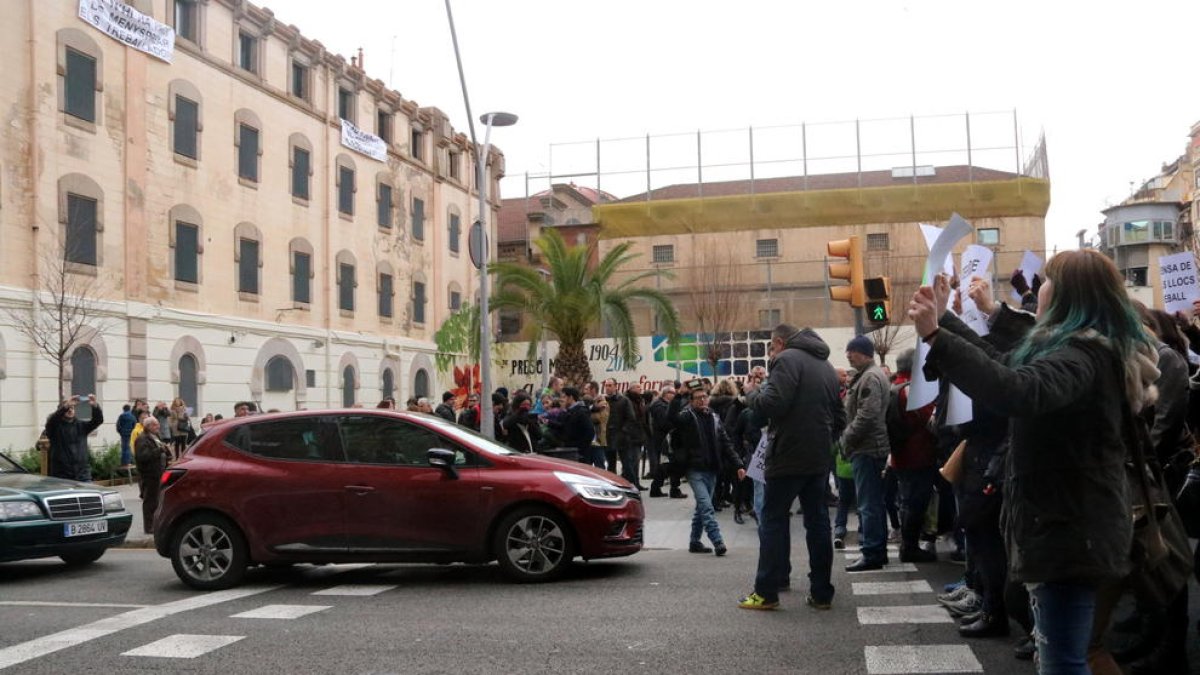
637 166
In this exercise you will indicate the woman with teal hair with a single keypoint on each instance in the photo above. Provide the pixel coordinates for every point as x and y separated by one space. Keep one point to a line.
1085 367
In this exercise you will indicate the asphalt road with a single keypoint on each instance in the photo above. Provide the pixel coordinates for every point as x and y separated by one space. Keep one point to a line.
662 610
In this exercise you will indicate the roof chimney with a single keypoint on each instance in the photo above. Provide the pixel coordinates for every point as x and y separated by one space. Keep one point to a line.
361 65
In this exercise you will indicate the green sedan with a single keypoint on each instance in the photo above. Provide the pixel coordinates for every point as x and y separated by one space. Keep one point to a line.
43 517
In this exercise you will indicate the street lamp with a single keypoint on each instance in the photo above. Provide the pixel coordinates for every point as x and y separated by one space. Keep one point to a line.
487 419
492 119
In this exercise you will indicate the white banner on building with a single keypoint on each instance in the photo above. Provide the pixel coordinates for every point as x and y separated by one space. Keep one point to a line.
1180 287
360 141
125 24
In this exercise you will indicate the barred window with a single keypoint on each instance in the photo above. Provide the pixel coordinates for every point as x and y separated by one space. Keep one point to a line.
664 253
767 248
878 242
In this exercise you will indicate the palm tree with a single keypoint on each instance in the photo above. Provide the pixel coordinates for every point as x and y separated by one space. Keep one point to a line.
576 298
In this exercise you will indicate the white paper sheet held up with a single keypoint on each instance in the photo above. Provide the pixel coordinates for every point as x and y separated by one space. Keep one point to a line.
922 392
1031 264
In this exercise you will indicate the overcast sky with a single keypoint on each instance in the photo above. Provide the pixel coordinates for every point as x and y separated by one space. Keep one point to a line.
1111 84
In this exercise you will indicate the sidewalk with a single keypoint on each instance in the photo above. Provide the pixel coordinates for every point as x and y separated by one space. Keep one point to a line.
137 538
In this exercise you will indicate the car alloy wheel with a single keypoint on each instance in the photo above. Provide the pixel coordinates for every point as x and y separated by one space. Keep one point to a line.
208 552
534 545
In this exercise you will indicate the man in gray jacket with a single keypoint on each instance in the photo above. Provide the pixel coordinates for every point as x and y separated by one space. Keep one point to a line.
865 443
800 400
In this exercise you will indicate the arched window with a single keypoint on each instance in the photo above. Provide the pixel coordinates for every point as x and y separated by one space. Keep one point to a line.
279 374
389 383
83 379
421 384
348 387
188 389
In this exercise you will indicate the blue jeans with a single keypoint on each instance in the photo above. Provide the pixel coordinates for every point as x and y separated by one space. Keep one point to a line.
775 540
869 488
126 452
704 518
595 456
846 500
1062 626
915 491
758 500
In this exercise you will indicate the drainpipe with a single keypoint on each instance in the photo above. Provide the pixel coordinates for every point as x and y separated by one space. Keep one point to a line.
327 226
34 200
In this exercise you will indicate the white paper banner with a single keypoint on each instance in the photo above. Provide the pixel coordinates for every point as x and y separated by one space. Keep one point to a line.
362 142
931 233
758 461
1179 284
1031 264
976 261
125 24
922 392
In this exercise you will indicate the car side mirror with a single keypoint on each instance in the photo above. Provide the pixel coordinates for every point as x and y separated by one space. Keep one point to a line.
442 459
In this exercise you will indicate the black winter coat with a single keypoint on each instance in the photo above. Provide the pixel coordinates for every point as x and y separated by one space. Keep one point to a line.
800 400
577 428
690 447
1066 500
69 457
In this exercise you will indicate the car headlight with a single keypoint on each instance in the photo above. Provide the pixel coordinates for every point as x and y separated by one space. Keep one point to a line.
113 502
593 489
19 510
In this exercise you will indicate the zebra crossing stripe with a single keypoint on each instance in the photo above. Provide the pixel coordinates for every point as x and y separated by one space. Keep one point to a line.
359 590
891 587
892 567
914 659
183 646
280 612
869 616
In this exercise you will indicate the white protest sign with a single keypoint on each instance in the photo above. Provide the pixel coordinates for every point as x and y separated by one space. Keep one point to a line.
362 142
1179 284
757 470
931 233
922 392
123 23
1031 264
976 261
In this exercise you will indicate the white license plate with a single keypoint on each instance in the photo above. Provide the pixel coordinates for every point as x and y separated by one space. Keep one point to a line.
88 527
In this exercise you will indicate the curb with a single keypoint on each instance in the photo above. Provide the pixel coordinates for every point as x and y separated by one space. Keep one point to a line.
141 542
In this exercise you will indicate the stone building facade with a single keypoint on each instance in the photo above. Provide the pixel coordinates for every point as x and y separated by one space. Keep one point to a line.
237 249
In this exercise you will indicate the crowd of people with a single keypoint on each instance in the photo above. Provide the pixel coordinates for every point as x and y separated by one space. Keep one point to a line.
1033 493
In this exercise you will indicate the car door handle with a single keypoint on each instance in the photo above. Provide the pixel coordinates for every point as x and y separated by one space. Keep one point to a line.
360 489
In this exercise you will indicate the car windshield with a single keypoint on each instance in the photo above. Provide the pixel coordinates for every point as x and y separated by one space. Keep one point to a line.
7 465
469 437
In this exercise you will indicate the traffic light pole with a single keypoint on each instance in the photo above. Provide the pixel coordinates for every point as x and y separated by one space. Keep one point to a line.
858 322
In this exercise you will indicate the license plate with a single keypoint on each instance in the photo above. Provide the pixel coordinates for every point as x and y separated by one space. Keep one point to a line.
88 527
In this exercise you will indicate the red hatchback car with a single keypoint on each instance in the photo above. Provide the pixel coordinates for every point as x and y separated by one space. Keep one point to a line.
380 486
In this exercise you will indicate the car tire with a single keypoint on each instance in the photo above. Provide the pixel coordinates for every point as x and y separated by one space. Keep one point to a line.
83 557
209 552
533 544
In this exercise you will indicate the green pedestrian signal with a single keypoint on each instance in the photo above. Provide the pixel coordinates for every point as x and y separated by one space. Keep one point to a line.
878 305
878 314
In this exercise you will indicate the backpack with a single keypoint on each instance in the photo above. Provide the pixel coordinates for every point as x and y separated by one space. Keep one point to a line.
898 428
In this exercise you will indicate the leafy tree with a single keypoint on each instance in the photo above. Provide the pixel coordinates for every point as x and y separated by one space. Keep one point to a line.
576 298
458 337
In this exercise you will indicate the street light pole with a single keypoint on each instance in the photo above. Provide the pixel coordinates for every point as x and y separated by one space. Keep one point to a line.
486 419
545 351
498 119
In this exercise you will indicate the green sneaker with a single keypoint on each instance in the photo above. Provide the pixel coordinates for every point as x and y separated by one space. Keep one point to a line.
756 601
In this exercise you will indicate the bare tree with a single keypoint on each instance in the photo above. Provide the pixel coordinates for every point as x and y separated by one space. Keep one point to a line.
65 308
716 299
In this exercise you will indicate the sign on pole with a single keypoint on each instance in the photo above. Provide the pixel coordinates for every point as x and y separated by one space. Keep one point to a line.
475 243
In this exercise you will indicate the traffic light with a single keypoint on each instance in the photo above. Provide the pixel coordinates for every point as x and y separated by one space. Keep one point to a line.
879 302
851 270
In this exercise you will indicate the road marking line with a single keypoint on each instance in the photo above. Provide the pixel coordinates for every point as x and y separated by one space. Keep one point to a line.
281 612
903 614
360 590
183 646
35 603
905 659
892 567
891 587
72 637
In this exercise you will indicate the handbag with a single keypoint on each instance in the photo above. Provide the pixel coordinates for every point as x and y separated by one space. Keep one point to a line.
1161 553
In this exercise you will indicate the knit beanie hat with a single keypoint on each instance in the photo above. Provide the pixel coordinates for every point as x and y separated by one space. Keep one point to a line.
861 344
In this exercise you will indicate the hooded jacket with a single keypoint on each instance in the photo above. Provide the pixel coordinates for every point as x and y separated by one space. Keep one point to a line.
800 401
866 409
1066 497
